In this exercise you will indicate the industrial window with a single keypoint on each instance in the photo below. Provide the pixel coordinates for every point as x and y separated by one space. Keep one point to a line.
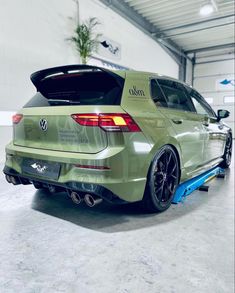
229 99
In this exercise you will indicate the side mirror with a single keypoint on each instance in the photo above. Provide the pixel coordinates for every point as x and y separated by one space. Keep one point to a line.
221 114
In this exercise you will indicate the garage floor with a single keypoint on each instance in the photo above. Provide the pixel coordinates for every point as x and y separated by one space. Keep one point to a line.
47 244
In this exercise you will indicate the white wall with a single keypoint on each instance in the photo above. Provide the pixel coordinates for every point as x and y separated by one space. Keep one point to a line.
33 36
139 51
206 78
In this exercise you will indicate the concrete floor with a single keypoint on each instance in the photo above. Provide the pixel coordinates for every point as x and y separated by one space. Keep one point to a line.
47 244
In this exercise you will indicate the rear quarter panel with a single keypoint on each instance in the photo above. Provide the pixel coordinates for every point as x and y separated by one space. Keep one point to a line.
154 125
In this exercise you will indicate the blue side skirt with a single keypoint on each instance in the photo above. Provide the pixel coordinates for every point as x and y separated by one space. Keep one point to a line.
187 187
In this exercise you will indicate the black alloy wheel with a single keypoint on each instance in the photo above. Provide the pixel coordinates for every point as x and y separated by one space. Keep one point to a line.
162 181
227 152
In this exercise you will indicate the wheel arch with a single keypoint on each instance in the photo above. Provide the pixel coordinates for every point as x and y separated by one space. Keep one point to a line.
178 158
149 201
176 149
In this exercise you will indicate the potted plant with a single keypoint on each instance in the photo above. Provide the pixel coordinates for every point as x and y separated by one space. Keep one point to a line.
85 39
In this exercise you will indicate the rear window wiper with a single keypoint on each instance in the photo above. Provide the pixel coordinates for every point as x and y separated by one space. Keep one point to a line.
63 102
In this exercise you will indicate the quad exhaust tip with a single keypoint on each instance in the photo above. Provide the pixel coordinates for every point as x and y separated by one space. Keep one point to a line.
89 199
8 178
12 179
92 200
76 198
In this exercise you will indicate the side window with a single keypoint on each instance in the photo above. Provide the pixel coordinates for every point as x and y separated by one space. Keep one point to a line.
200 104
176 95
199 108
157 94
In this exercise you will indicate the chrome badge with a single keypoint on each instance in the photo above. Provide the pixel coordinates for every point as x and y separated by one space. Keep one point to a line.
43 124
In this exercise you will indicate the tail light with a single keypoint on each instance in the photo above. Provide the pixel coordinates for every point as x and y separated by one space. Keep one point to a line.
17 118
92 167
119 122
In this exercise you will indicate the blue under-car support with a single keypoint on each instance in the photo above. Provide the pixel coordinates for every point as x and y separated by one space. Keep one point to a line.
187 187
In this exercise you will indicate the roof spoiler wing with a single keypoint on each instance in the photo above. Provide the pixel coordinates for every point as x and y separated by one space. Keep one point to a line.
38 76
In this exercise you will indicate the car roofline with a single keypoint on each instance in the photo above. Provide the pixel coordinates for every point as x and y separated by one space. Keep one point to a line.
134 73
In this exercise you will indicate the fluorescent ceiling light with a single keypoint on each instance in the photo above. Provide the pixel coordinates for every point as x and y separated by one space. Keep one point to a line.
208 8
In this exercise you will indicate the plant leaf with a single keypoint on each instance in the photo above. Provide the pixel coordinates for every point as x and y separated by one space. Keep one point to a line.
85 39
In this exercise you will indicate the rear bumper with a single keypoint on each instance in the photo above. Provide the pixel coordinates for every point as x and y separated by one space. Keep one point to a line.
123 182
78 186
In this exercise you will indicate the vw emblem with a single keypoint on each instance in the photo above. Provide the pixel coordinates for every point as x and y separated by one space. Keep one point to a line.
43 124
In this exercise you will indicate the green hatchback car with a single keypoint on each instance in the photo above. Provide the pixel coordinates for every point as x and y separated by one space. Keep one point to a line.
119 136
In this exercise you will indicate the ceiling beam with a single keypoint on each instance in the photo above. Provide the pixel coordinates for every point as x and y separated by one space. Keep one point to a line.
148 28
213 61
196 30
229 53
185 26
224 46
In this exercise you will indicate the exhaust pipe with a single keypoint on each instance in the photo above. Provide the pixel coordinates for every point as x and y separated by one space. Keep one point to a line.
76 198
92 200
52 188
14 180
8 178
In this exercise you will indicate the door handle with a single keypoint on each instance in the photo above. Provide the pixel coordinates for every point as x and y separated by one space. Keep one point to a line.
177 121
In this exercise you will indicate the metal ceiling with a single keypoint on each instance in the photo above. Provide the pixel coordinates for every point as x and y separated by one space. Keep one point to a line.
180 22
148 28
177 26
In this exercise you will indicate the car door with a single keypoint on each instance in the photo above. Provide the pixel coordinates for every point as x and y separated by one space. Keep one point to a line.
215 141
190 133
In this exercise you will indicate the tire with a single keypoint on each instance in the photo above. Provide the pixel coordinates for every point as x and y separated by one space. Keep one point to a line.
162 180
227 156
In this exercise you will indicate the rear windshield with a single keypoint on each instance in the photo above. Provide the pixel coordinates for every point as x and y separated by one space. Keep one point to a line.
84 88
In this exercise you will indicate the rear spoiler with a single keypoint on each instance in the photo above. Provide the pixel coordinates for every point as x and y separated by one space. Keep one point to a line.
38 76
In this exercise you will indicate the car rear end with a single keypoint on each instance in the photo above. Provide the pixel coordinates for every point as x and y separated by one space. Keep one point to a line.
75 135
